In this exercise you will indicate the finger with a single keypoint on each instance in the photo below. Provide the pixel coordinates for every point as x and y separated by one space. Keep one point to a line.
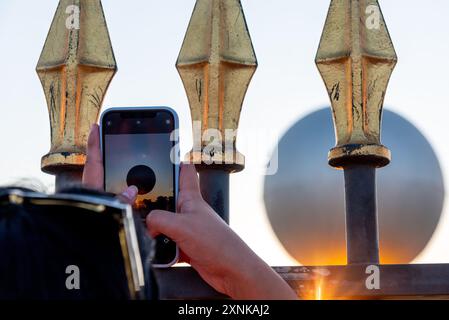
189 179
189 188
164 222
129 195
93 170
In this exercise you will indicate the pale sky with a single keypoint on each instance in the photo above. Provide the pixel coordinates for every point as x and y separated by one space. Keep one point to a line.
147 36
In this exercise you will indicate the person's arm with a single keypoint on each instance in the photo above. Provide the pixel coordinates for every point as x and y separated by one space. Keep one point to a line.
216 252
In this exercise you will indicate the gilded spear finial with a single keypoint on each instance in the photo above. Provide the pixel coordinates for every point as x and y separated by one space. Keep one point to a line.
356 58
75 68
216 64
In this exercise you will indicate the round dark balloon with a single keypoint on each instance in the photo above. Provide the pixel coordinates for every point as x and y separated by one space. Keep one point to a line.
305 198
142 177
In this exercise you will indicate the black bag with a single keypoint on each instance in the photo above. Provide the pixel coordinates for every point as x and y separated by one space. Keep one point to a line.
75 245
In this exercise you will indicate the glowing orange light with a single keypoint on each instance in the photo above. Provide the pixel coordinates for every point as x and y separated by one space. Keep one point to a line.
318 294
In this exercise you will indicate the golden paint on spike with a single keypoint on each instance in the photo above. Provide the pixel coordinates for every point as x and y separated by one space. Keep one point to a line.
75 68
216 64
356 58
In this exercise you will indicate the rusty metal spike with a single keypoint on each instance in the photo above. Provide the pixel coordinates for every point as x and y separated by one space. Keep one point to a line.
75 68
356 58
216 64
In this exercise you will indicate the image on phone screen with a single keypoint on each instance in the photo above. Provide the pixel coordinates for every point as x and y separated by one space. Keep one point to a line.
137 148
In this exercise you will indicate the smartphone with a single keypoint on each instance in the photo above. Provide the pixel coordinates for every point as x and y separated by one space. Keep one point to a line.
140 147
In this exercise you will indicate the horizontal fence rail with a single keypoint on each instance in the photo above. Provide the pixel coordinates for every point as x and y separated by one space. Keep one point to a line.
329 282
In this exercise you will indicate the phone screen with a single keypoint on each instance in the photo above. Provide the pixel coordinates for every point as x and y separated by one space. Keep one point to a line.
137 147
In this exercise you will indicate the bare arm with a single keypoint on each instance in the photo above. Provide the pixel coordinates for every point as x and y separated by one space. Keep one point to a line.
211 247
222 259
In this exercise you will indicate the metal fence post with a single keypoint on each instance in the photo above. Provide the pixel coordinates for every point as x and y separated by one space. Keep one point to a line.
216 64
356 58
75 68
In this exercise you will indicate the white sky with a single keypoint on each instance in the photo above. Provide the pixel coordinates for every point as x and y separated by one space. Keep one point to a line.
147 36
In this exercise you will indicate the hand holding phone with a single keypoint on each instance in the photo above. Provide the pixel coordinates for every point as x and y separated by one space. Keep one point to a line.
198 222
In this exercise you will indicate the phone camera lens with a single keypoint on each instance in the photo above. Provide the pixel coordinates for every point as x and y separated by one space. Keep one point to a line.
138 122
109 123
167 122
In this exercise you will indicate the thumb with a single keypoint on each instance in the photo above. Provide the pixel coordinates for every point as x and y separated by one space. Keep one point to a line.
129 195
164 222
189 188
189 179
